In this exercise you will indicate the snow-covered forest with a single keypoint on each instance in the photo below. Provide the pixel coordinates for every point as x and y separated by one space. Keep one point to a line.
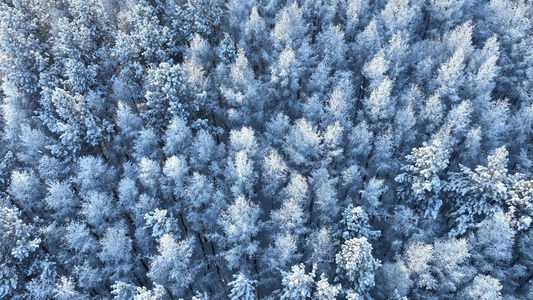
266 149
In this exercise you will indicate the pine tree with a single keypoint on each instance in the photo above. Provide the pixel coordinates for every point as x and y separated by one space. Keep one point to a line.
161 223
481 192
70 117
17 243
22 47
242 288
202 17
422 177
297 284
166 96
356 263
355 224
326 291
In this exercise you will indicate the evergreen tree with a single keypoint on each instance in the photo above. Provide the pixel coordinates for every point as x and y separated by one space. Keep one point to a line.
356 263
423 178
18 243
326 291
481 192
166 96
242 288
297 284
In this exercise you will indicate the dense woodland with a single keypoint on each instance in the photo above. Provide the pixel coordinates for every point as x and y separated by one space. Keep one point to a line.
266 149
